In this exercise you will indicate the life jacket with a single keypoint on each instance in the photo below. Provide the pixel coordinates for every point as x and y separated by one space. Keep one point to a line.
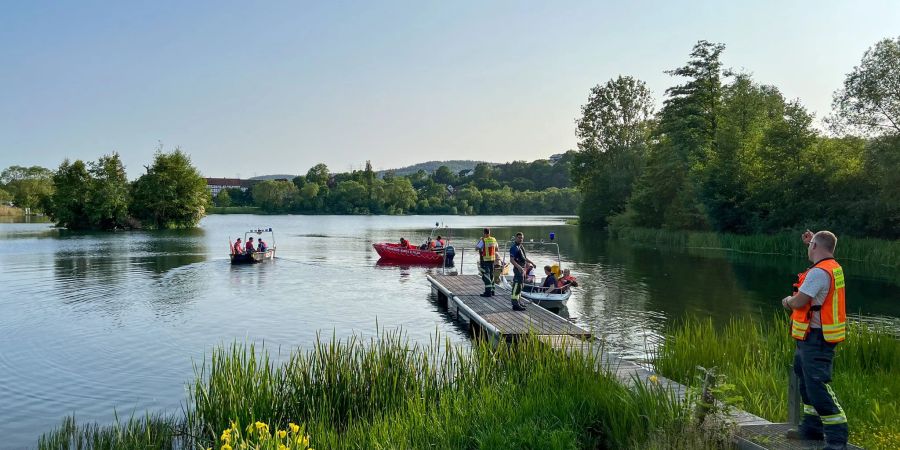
249 247
237 248
440 243
832 311
489 249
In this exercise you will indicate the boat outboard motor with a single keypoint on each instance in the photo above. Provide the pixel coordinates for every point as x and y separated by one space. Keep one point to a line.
449 253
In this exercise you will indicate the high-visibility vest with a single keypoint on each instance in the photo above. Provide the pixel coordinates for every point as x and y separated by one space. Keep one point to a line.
489 249
833 309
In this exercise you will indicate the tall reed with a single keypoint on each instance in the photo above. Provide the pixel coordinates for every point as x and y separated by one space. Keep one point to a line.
757 356
387 392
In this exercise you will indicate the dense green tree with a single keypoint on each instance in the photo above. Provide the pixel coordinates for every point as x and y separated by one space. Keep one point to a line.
318 174
399 195
5 197
223 199
613 132
870 99
109 195
30 187
172 194
349 197
274 195
71 195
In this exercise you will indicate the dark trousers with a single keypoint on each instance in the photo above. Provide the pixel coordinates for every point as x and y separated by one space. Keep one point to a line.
518 282
821 411
487 275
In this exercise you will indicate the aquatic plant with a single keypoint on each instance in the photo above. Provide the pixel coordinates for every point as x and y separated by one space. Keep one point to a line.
757 355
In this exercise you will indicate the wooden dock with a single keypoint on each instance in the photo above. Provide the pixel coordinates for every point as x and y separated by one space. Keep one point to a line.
494 317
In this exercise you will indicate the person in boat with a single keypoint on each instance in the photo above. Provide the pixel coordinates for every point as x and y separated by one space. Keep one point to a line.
520 263
261 246
566 281
238 247
487 256
250 248
403 242
428 245
439 243
549 285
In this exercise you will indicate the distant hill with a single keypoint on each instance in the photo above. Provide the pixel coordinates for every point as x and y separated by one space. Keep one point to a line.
274 177
430 166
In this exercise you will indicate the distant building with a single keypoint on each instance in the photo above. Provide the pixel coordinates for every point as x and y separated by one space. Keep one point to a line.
215 185
555 158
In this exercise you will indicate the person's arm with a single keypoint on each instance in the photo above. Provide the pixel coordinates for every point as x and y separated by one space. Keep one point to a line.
795 301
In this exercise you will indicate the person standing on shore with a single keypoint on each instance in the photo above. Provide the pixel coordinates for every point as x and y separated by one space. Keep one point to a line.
818 323
487 254
519 260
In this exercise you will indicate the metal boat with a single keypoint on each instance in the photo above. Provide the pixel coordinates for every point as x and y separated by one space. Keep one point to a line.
255 257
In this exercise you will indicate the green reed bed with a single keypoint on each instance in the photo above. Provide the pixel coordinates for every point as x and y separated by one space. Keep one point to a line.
873 251
757 355
390 393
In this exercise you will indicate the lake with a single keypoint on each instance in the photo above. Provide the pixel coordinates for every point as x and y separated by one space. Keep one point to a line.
97 323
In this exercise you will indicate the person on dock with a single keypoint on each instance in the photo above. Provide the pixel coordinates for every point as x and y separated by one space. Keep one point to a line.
521 265
250 248
487 254
818 323
238 248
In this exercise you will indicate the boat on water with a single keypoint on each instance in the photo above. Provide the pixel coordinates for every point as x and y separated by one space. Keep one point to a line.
253 257
534 292
406 252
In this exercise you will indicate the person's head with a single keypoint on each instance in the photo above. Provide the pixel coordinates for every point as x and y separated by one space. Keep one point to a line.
547 269
519 237
261 241
439 237
821 246
239 240
487 232
251 239
528 266
566 272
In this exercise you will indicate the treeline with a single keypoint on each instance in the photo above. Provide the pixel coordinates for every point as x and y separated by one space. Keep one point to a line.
98 196
729 154
538 187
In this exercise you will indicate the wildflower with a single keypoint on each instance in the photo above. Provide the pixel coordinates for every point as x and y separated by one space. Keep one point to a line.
282 434
225 447
654 379
282 447
226 436
262 427
294 427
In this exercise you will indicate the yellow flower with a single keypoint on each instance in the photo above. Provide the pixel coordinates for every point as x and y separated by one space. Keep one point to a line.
226 436
282 447
262 427
282 434
225 447
294 427
654 378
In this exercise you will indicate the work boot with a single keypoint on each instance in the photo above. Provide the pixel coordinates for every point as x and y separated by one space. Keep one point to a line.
487 293
517 306
799 435
492 292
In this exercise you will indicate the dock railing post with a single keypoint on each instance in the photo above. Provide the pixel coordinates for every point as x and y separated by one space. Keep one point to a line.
794 401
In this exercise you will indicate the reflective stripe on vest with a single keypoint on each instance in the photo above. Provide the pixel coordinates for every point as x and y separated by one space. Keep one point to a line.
833 313
489 250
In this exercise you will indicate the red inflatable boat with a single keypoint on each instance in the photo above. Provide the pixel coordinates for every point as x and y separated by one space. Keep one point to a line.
394 252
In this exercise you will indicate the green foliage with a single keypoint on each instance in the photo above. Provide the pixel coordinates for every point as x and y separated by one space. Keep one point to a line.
172 194
613 134
734 156
870 99
223 199
756 356
109 194
28 187
274 195
71 195
148 432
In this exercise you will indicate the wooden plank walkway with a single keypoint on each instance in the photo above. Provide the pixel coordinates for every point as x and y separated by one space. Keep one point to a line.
494 316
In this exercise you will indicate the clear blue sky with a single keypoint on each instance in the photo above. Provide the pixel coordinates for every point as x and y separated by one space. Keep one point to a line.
253 88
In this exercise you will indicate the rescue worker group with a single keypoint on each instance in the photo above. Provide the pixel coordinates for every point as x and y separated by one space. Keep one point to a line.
818 324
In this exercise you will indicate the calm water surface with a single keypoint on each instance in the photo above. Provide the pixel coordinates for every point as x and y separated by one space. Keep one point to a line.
96 323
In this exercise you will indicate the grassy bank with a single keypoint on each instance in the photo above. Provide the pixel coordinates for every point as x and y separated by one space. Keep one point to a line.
234 210
756 356
390 393
11 211
870 251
